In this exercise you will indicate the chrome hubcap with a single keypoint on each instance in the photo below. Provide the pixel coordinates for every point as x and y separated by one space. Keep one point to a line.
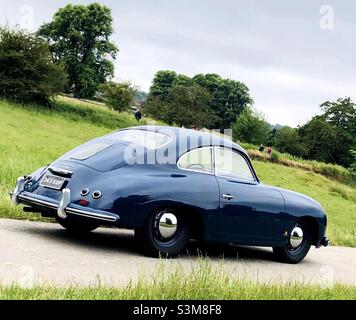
296 237
167 225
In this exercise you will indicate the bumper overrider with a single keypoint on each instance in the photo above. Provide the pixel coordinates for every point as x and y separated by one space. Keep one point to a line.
62 208
325 242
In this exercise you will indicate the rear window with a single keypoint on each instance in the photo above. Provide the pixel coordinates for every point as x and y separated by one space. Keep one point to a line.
149 139
89 151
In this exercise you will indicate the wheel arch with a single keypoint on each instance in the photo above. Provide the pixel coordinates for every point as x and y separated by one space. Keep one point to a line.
314 227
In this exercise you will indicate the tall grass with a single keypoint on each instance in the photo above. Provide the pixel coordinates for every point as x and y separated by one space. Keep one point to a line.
204 281
328 170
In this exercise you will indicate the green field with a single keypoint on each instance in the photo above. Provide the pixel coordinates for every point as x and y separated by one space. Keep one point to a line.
204 282
31 137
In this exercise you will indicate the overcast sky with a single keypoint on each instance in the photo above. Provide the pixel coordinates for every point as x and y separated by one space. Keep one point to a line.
292 55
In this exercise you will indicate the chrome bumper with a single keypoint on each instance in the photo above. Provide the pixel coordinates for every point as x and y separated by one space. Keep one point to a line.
63 207
20 185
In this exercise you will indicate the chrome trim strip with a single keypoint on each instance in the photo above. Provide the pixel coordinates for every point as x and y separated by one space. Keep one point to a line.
96 194
91 214
69 209
55 170
38 201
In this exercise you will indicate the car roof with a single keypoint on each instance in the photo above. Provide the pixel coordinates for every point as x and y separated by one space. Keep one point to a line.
212 139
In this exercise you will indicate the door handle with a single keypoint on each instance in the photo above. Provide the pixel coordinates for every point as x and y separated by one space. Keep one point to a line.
227 196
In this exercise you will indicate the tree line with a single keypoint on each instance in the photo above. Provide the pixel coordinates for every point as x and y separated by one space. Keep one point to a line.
212 102
74 54
201 101
329 137
71 54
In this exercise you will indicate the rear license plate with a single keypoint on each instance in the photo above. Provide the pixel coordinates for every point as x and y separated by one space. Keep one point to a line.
53 182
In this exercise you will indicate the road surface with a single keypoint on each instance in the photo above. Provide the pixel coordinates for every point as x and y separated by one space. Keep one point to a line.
34 253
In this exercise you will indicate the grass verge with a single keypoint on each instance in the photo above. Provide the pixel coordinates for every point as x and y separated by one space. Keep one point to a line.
201 283
328 170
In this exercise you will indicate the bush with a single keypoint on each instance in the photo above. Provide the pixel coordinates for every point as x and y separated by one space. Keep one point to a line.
274 157
345 192
186 106
287 140
251 127
27 71
353 165
117 96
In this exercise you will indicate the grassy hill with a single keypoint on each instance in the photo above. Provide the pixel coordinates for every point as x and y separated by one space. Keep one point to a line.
31 136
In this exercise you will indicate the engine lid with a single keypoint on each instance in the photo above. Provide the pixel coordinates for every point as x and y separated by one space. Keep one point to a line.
99 154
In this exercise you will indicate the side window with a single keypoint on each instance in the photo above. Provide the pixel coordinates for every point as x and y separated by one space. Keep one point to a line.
231 164
199 160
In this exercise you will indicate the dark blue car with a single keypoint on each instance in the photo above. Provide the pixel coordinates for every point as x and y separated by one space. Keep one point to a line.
171 185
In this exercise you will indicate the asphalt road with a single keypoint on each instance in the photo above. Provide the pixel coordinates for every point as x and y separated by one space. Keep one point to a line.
43 253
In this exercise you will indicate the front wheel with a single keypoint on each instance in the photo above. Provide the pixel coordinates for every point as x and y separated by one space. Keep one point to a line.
78 227
165 234
298 246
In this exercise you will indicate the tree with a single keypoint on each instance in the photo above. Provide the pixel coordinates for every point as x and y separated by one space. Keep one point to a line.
251 127
322 140
341 114
353 164
117 96
182 80
184 106
288 140
162 84
271 139
27 73
228 97
79 36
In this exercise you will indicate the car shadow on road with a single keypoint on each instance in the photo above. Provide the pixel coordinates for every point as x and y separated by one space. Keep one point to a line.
123 241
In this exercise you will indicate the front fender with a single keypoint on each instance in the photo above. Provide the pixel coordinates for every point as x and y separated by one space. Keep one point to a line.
301 206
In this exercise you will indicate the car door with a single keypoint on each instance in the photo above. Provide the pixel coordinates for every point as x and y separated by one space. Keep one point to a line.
249 211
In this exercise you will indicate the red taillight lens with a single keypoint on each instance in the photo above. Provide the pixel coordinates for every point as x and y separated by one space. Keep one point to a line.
83 202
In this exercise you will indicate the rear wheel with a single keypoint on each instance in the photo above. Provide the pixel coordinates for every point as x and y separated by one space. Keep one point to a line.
166 233
298 246
77 226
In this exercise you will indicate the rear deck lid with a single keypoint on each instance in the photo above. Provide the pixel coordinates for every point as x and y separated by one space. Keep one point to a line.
100 154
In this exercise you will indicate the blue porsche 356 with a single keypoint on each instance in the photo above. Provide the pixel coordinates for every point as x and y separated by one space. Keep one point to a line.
171 185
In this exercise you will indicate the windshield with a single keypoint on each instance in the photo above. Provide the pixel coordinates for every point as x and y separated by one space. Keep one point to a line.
149 139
